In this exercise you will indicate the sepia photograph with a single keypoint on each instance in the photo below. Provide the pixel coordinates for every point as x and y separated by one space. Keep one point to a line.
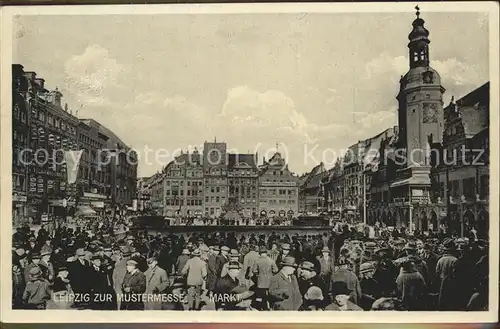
259 157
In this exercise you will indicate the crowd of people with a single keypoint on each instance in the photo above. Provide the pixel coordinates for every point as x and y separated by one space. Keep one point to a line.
343 270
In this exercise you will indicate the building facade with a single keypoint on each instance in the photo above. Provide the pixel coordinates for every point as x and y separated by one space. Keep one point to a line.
278 189
183 186
20 142
215 161
243 184
53 131
157 198
144 193
311 196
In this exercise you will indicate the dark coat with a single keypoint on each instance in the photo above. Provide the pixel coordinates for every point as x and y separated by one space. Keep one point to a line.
412 289
285 293
137 283
79 276
214 268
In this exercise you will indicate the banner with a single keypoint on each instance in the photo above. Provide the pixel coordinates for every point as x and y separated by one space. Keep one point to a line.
72 159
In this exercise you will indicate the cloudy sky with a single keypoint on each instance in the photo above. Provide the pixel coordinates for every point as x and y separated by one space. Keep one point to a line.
310 82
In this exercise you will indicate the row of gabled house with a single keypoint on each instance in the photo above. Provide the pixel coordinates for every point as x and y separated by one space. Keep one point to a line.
214 183
459 189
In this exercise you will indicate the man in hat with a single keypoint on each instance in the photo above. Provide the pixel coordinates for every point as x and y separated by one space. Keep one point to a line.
307 277
263 270
177 292
214 268
385 271
37 291
326 263
234 256
231 289
249 261
100 286
156 283
196 272
274 252
411 253
133 286
369 286
342 273
341 300
34 261
445 270
285 252
46 265
182 260
61 291
284 289
119 273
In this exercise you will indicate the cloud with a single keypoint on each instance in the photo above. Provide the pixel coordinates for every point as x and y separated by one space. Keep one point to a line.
90 74
456 73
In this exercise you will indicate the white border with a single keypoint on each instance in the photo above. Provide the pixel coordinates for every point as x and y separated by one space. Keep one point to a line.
18 316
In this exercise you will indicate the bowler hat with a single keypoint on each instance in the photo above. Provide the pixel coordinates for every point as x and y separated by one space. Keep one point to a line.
285 246
288 261
35 255
196 252
340 288
185 252
307 266
449 244
262 249
225 248
366 267
80 252
216 248
325 249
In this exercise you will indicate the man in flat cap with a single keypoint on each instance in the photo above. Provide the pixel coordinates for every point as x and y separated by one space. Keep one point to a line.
196 272
214 268
263 269
120 271
156 283
133 286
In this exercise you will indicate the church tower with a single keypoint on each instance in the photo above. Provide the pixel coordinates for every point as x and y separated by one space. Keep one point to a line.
420 98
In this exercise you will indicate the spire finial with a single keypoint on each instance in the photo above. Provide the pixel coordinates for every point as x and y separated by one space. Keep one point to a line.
418 11
277 146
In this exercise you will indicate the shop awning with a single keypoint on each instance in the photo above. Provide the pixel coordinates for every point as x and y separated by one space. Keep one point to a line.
85 211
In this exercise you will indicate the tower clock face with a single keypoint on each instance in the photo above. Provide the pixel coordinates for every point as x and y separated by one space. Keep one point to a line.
214 157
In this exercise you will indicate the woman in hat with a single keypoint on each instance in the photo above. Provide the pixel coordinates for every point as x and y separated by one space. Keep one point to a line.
284 288
341 298
313 300
370 288
37 291
411 287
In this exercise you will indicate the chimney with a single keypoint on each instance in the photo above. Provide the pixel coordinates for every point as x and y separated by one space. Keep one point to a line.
40 82
30 75
56 97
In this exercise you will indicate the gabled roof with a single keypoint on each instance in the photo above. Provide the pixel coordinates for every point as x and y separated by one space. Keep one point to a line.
242 160
314 177
473 110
